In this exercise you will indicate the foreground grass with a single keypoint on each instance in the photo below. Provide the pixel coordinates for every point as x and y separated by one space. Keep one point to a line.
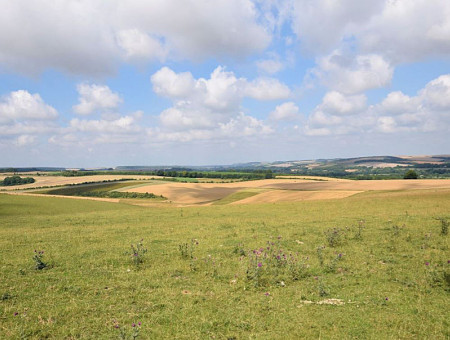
390 276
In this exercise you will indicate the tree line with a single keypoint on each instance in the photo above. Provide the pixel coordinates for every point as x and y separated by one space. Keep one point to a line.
16 180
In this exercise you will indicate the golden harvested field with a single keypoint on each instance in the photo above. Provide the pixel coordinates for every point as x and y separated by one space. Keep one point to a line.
283 189
276 190
51 181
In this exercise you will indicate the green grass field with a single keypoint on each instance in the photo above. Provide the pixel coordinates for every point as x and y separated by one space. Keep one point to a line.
391 276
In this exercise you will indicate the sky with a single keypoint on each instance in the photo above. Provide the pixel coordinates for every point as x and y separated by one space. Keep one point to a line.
90 83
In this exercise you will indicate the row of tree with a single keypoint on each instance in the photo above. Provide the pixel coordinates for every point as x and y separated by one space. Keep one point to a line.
248 174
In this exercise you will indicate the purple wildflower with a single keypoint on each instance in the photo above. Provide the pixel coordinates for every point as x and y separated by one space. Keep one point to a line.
266 293
139 323
133 325
15 314
386 298
259 264
427 263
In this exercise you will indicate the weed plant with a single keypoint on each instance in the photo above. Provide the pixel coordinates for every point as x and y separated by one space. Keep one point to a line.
444 225
38 259
138 252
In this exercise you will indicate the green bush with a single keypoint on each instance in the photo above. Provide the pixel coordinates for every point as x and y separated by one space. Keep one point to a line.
410 174
16 180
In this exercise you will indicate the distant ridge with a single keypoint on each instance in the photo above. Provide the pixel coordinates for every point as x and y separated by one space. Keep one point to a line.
292 165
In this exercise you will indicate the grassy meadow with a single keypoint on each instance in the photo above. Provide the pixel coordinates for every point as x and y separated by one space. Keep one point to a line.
371 266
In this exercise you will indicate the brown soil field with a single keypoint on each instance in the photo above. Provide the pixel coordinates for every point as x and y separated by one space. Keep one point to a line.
282 189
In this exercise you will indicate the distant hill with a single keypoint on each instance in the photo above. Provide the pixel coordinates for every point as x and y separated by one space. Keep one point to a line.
371 161
372 167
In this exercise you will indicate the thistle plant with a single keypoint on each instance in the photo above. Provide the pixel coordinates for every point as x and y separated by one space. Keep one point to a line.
332 265
239 250
39 264
334 236
322 288
125 334
138 252
361 226
187 249
320 254
444 225
272 264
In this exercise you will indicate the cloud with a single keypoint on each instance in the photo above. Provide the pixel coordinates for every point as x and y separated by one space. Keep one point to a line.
22 105
91 37
200 29
25 140
75 37
210 108
267 89
269 66
397 103
285 112
238 127
321 25
428 111
123 125
205 103
353 74
400 31
138 45
436 93
89 132
407 31
95 98
167 83
336 103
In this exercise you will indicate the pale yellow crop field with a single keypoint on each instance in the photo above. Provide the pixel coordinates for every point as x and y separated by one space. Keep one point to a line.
51 181
277 190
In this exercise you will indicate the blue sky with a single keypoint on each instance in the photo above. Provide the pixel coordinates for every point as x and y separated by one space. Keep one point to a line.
93 83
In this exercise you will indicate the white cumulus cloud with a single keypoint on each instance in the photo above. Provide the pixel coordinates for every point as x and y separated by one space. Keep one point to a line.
353 74
285 112
20 105
204 103
207 108
95 98
336 103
